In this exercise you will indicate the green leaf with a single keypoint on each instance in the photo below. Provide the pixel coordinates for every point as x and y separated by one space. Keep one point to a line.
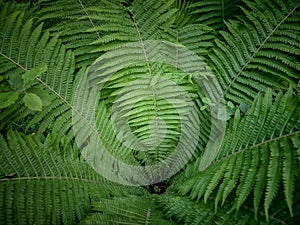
42 93
33 102
8 98
30 75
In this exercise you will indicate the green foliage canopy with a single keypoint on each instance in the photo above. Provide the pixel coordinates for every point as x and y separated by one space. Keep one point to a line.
253 49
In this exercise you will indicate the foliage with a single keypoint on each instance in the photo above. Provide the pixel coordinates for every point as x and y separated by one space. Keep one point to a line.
40 183
47 48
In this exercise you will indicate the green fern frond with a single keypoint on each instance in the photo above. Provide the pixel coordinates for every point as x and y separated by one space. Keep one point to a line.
54 87
196 37
146 98
259 51
108 25
258 154
71 27
132 210
188 212
184 14
38 186
22 47
215 13
143 20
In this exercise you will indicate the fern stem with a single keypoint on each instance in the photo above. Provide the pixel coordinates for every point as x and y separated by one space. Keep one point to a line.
177 53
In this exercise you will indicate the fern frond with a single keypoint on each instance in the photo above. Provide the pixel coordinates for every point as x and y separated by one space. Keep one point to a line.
132 210
72 20
258 154
184 14
54 87
259 51
215 13
152 106
38 186
188 212
21 49
143 20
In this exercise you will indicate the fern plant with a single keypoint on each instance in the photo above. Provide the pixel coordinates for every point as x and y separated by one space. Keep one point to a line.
57 56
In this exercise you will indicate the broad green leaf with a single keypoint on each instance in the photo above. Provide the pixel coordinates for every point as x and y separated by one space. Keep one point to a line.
42 93
33 102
